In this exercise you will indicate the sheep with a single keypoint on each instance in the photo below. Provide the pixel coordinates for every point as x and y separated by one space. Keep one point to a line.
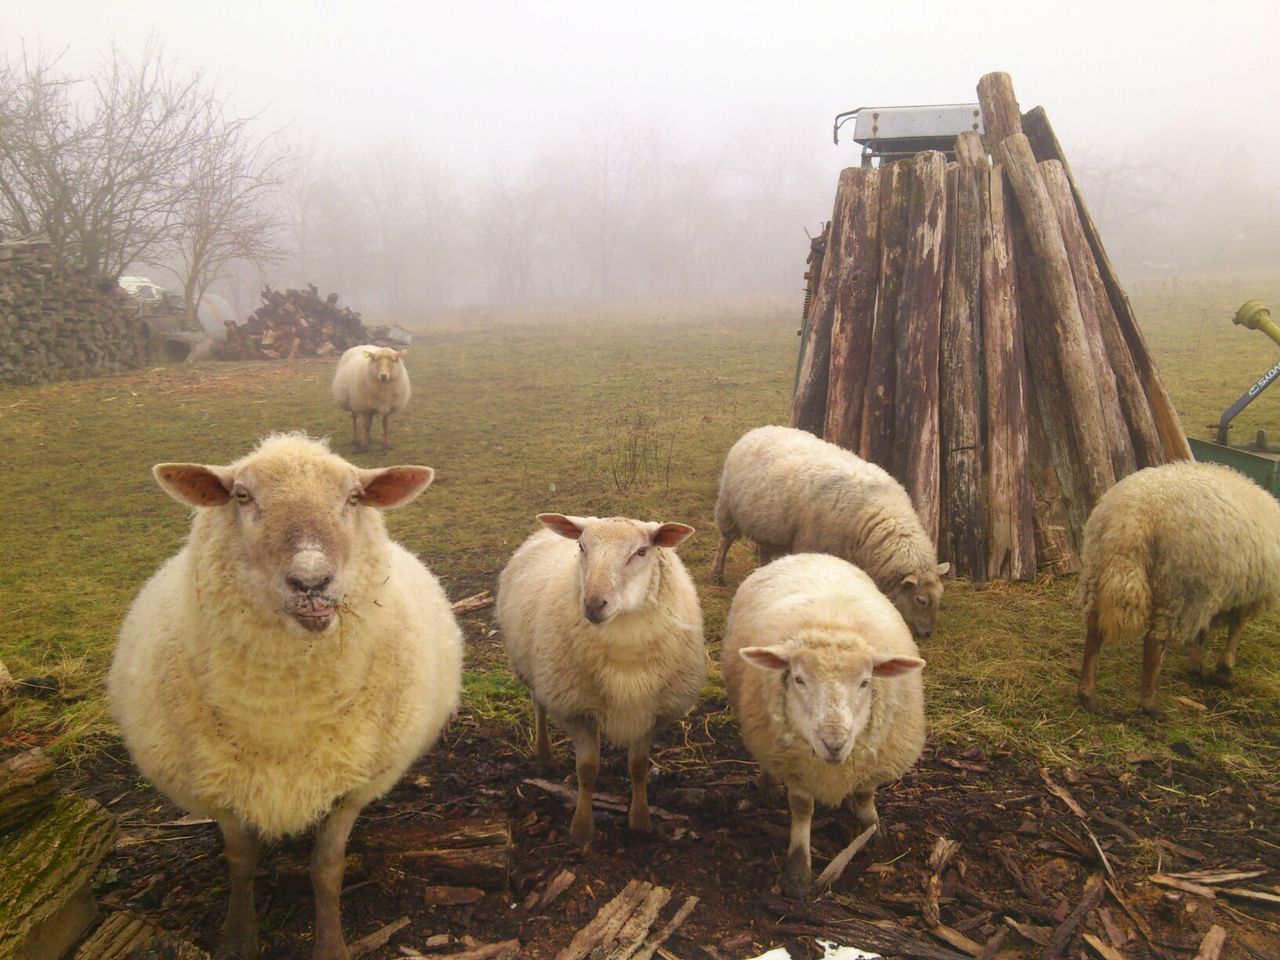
288 664
824 679
607 636
794 493
1171 551
371 380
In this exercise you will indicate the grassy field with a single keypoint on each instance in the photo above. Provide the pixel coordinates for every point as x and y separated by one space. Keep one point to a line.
628 412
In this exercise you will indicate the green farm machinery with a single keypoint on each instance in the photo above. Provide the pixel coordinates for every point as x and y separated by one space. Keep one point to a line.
1257 459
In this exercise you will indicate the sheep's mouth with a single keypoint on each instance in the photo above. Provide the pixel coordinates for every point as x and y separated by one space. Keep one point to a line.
314 613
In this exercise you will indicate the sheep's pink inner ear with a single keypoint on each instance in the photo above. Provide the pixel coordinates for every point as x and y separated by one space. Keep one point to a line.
394 486
191 483
896 666
561 524
766 658
670 534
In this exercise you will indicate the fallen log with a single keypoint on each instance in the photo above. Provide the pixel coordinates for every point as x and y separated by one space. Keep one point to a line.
126 936
27 787
461 853
7 697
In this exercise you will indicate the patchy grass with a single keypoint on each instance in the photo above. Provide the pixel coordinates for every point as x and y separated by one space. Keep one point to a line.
627 412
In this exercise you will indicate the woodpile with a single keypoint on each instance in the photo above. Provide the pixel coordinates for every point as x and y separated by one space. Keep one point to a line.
58 323
967 331
295 323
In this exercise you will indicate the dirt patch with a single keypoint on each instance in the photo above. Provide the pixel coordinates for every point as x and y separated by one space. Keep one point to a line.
1023 855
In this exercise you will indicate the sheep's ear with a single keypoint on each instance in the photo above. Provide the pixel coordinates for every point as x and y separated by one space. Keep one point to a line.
368 354
193 483
910 580
895 666
401 353
669 534
941 569
570 527
766 658
393 486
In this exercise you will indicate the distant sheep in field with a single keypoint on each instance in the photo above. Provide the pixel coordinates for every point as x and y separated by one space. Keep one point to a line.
793 493
1168 553
288 664
371 380
825 681
602 623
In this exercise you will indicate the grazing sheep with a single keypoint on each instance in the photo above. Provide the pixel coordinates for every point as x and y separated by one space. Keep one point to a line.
1171 551
825 681
793 493
371 380
288 664
607 635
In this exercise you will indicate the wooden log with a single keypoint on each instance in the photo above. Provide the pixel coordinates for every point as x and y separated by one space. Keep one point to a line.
875 440
1059 498
126 936
1011 541
1061 322
963 530
8 696
969 149
1083 268
45 874
808 406
27 787
1173 440
1000 115
917 329
854 311
463 853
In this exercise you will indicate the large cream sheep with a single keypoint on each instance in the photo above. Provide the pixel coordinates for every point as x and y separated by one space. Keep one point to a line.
824 679
1168 553
793 493
371 380
602 623
288 664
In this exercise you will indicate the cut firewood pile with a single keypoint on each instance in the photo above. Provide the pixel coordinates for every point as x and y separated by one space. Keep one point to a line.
295 323
966 330
980 853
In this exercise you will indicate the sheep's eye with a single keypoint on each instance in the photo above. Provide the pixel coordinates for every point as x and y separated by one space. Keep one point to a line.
353 497
923 601
642 551
581 547
865 683
799 681
242 495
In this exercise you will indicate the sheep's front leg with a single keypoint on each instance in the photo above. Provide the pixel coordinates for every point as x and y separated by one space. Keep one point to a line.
363 442
797 875
541 738
586 748
355 430
1089 666
328 861
386 443
638 765
240 931
862 804
1227 662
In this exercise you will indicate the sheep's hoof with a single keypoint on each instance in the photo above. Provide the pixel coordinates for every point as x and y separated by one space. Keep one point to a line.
235 946
581 831
1088 700
718 579
331 952
797 878
1153 710
639 820
1225 673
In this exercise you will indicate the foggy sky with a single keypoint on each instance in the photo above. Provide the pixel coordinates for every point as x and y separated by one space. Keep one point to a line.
484 86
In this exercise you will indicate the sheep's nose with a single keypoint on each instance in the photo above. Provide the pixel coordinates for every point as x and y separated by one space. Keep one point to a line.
594 610
384 377
924 633
312 585
834 746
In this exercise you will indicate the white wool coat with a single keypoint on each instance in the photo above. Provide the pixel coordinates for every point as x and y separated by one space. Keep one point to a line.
825 595
640 670
228 712
358 391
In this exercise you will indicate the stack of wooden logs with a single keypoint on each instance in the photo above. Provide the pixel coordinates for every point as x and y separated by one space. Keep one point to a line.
295 323
968 332
57 322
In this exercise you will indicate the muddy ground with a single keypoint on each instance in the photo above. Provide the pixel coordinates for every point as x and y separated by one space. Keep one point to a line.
1024 856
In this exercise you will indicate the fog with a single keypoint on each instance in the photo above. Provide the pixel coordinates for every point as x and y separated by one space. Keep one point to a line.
483 154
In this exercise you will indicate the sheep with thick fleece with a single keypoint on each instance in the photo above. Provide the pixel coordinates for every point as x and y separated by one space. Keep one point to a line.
602 623
1169 552
371 380
791 492
288 664
825 681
